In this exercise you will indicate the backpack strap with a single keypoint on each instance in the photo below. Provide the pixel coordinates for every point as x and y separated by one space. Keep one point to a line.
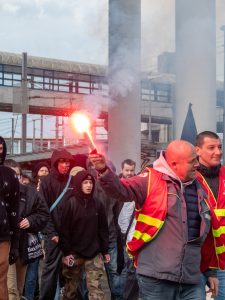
61 195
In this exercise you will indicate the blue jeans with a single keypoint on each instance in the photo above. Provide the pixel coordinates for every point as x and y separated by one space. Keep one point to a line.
221 293
57 292
155 289
112 274
31 279
221 277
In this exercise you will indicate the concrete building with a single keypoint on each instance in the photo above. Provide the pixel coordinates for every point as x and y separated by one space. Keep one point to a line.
59 87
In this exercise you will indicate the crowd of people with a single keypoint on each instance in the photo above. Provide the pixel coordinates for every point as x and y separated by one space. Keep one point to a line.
75 231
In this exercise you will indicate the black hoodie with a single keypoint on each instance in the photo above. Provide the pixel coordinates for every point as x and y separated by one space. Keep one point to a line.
85 230
38 166
4 152
52 186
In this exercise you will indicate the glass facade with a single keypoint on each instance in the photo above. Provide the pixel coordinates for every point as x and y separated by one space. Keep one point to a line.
50 80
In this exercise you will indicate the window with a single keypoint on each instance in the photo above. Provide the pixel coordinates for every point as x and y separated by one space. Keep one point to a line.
59 81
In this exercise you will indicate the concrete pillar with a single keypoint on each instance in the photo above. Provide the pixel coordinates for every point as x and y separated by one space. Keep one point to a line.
195 63
124 125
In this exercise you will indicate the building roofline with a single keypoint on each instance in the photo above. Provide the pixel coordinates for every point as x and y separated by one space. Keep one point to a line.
53 64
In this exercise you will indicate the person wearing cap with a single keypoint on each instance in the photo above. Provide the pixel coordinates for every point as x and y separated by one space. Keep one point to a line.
83 238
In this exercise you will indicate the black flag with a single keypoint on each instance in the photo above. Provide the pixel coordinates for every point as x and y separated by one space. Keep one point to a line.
189 131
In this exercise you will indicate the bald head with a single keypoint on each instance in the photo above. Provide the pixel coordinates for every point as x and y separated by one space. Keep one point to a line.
177 149
182 159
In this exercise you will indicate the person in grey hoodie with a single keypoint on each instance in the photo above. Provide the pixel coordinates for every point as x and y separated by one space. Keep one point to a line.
173 221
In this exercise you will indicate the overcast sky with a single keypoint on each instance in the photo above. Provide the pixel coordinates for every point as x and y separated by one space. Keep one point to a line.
77 29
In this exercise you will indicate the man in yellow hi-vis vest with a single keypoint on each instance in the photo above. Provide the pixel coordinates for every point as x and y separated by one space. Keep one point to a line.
173 220
212 177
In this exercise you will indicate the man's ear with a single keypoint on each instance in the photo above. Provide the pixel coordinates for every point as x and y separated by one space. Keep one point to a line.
198 149
173 165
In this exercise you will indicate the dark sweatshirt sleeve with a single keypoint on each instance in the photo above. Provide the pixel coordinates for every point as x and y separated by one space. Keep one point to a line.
49 228
39 214
65 229
124 190
103 230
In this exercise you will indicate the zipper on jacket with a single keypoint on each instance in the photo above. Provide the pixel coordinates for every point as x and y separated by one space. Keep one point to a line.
181 264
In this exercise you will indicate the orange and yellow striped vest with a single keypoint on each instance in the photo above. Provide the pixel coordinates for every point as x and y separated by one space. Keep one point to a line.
151 216
213 249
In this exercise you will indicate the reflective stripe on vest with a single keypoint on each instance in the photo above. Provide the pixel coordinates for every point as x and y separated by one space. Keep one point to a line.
220 250
218 232
151 216
219 212
149 220
216 243
142 236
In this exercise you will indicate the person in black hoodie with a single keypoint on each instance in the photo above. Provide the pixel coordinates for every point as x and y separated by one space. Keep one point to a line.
40 169
9 231
3 150
51 187
9 208
33 216
31 286
84 238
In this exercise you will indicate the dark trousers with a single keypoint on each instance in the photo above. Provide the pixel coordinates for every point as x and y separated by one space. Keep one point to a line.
131 288
51 270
